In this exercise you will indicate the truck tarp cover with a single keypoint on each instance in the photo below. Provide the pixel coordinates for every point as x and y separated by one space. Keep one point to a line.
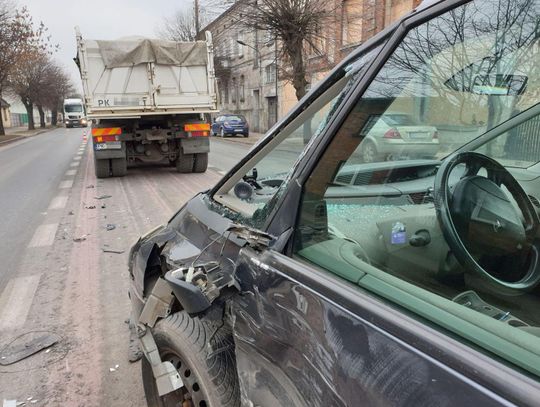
129 52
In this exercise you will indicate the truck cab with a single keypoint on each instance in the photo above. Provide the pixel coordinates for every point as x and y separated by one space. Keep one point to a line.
74 113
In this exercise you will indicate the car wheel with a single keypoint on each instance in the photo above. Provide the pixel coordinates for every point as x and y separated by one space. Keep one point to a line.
200 162
222 133
119 167
369 152
184 163
246 134
102 168
203 354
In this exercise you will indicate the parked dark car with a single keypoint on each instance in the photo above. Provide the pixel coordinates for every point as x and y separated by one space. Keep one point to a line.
230 124
307 277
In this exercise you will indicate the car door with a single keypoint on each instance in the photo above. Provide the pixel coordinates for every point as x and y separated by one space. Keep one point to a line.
342 307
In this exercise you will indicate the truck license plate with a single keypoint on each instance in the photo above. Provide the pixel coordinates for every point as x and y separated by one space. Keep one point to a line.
110 145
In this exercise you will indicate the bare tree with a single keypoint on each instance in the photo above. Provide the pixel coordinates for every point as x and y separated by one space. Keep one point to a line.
178 27
296 24
184 25
58 87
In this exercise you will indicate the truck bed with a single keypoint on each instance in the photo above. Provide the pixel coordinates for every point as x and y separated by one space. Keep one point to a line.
136 77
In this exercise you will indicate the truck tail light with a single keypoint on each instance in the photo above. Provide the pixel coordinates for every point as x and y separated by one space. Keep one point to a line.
393 134
102 135
197 129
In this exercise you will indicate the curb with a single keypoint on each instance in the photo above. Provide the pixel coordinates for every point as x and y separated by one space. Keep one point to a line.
6 142
250 141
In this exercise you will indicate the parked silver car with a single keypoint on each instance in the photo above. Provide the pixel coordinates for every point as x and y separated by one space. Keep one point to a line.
397 135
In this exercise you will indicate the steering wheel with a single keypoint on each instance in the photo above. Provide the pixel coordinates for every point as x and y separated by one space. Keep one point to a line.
479 220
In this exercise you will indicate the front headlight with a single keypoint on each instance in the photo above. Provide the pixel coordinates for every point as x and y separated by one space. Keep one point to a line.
83 121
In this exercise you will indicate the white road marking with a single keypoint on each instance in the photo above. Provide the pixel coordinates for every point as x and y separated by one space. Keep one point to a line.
75 164
68 183
222 172
59 202
71 172
80 153
76 158
16 301
44 235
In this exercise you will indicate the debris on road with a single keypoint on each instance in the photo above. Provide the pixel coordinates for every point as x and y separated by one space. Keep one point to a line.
112 251
80 239
114 369
90 186
103 197
103 206
71 213
110 226
15 352
90 207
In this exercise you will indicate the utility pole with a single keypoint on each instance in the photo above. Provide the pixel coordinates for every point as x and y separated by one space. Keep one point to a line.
197 27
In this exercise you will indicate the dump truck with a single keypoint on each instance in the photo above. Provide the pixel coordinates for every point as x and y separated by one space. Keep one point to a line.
149 101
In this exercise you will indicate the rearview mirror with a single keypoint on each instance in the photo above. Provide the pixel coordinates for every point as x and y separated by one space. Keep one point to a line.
499 85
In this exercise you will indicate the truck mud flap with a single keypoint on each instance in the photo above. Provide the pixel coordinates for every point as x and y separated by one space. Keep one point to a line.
195 145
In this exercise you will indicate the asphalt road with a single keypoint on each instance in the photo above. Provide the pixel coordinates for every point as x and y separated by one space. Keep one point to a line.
27 172
57 272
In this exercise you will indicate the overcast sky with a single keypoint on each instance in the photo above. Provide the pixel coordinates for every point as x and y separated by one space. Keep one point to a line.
98 19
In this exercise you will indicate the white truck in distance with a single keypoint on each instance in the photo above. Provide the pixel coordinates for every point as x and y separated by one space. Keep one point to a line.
149 101
74 114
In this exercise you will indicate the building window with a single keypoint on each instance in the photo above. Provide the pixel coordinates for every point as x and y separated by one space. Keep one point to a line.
268 38
239 47
242 89
233 90
351 21
270 71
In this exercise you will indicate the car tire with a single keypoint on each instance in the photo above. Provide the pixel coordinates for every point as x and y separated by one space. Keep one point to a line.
246 135
369 152
203 353
222 133
200 162
119 167
184 163
102 168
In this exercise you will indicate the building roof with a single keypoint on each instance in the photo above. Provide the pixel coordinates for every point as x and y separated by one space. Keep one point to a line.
3 103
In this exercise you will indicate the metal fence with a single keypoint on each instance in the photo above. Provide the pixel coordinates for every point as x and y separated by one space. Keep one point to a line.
18 119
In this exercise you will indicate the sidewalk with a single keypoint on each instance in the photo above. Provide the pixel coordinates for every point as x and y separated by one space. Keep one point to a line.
252 139
16 133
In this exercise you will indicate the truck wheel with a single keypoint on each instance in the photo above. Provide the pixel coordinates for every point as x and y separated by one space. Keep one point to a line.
184 163
119 167
102 168
204 356
200 164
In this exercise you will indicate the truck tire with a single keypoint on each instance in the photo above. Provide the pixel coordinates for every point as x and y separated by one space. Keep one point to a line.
119 167
102 168
184 163
200 163
203 353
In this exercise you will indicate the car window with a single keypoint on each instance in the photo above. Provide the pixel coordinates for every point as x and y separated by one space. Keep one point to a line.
235 118
251 194
372 211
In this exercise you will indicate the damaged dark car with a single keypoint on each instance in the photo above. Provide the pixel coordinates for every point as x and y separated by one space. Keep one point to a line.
309 276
